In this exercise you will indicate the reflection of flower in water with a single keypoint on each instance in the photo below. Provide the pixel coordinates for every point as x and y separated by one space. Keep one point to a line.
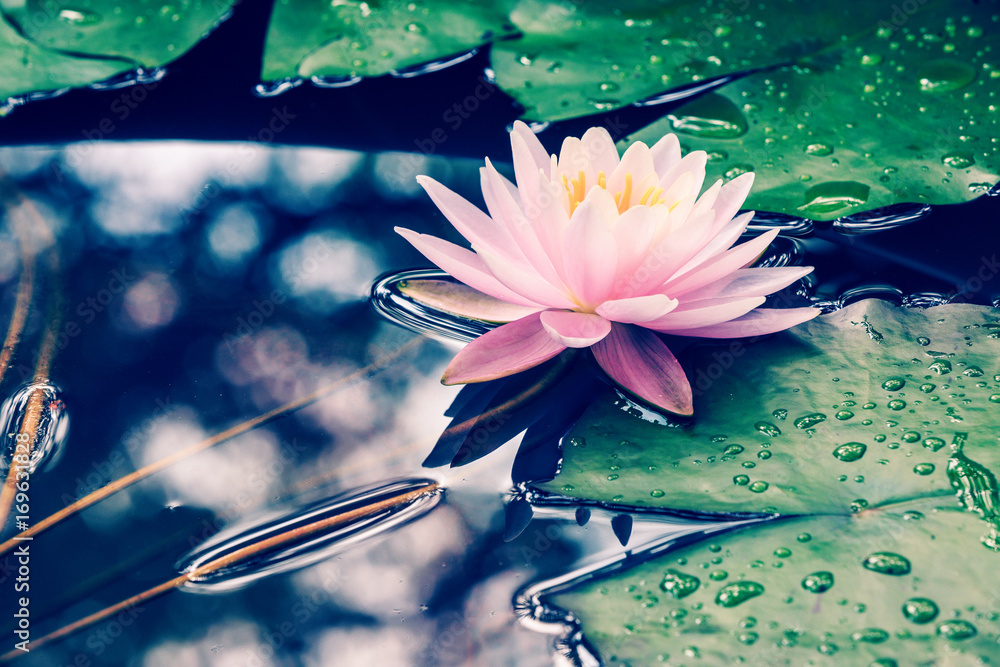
600 251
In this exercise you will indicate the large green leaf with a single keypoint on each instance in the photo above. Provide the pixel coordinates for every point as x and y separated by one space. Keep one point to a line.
909 583
344 39
854 408
576 59
26 67
907 114
49 45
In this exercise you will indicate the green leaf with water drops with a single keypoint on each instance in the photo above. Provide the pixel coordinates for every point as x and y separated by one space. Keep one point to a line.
140 33
906 110
908 582
856 408
26 67
351 38
576 59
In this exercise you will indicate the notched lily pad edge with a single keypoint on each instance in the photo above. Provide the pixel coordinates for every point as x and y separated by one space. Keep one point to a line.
535 611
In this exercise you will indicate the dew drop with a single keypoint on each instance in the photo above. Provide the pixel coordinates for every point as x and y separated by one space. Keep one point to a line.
835 196
780 414
920 610
844 415
927 387
923 468
933 444
894 384
679 585
896 404
741 480
923 340
956 630
911 436
767 428
819 150
657 493
758 487
945 75
33 408
810 420
718 575
737 593
712 116
803 537
941 367
818 582
886 562
958 160
870 636
733 450
973 372
851 451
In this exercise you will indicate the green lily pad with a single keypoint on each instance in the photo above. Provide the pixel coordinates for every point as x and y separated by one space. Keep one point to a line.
903 584
854 409
26 67
576 59
894 114
59 46
347 39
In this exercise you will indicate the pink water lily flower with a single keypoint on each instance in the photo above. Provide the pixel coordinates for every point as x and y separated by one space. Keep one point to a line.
593 250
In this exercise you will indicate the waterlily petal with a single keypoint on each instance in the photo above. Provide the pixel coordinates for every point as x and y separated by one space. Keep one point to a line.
708 198
719 266
704 313
574 329
749 282
506 350
636 162
528 174
642 364
463 265
666 153
755 323
591 255
718 241
525 283
664 259
731 198
637 310
634 234
539 155
464 301
477 227
599 147
693 162
506 210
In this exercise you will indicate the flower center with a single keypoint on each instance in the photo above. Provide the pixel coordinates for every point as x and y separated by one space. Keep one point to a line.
577 190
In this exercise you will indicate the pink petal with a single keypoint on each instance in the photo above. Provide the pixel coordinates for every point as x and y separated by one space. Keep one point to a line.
733 194
719 241
591 254
704 313
707 200
637 310
462 300
506 350
642 364
526 283
575 329
663 260
693 162
636 161
600 148
527 173
463 265
666 153
750 282
720 265
538 153
477 227
506 209
755 323
634 235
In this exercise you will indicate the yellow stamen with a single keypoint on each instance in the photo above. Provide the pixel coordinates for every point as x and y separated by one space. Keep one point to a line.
601 181
580 186
626 195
